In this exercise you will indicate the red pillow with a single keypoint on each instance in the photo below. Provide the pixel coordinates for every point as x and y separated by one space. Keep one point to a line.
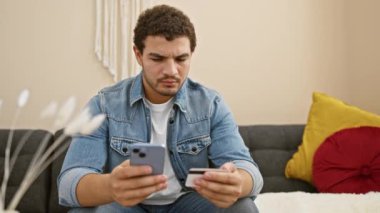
348 161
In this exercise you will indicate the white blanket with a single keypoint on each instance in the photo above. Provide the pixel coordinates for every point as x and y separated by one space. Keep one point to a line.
303 202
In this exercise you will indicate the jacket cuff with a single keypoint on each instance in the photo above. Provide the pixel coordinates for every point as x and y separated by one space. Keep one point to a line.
67 185
257 179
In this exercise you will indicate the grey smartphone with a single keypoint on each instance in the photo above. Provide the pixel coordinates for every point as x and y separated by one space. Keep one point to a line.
148 154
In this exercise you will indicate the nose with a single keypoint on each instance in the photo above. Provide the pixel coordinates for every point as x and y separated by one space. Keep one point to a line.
170 67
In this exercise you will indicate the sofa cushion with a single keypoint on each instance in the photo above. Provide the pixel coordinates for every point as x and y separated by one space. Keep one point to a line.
327 115
36 198
349 161
271 146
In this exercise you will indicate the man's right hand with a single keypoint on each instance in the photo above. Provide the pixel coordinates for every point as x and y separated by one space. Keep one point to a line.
130 185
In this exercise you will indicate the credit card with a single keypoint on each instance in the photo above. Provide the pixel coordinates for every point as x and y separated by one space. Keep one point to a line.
195 173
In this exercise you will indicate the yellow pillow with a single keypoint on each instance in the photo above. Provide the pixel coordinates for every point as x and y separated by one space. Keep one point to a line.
327 115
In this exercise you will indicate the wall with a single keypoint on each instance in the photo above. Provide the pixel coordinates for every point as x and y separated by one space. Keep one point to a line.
47 47
364 53
264 57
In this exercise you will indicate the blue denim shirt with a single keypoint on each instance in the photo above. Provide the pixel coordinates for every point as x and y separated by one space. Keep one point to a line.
201 133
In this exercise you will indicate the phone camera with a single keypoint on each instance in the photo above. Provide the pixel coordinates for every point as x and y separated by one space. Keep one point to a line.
142 155
136 150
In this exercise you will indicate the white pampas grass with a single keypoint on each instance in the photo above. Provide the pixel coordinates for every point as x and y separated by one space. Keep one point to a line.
84 123
65 112
75 125
23 98
50 110
93 124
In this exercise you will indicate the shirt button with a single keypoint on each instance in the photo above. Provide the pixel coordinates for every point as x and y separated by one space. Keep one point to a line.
171 121
194 149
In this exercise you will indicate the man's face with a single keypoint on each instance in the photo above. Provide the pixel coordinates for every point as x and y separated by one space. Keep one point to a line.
165 66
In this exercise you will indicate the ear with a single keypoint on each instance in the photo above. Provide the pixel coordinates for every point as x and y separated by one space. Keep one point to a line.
138 55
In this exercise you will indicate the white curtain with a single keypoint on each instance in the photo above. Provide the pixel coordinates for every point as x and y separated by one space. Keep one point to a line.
115 21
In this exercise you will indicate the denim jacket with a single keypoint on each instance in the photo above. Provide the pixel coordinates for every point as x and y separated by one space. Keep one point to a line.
201 133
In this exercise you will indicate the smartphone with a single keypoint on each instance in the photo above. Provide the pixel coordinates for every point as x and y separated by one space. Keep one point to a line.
148 154
195 173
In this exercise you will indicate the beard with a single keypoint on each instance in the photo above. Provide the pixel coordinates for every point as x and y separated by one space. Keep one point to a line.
166 86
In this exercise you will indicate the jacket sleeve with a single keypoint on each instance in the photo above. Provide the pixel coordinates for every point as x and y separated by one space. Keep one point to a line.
228 146
86 154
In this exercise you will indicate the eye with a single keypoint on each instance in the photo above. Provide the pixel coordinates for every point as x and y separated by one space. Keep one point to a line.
156 59
181 59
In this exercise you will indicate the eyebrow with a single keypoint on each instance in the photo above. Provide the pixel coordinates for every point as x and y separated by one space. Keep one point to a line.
161 56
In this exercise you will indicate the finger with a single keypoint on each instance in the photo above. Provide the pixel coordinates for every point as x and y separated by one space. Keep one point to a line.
146 181
144 169
232 190
121 185
229 166
144 192
127 171
216 197
223 177
125 163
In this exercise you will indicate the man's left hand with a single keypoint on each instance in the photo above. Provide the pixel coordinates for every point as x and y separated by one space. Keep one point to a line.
221 188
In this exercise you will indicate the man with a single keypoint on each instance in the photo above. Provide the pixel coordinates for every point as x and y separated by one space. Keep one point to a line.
160 106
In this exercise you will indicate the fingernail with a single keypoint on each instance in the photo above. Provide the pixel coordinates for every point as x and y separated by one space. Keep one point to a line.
163 185
197 181
148 169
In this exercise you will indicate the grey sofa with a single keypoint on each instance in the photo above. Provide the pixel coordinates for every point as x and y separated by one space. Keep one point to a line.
270 145
42 196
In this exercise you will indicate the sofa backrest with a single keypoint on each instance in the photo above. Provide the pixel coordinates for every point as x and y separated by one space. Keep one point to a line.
271 146
36 199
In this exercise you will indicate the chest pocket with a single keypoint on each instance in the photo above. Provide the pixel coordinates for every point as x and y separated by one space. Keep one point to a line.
194 153
194 146
122 145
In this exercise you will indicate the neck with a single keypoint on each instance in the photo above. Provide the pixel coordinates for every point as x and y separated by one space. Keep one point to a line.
158 99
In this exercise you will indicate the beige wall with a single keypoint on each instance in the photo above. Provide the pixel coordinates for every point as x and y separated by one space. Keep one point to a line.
364 53
264 57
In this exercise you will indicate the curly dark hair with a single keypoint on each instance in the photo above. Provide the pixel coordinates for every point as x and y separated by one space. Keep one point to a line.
163 20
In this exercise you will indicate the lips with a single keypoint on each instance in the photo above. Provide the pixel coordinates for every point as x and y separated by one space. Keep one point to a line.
169 82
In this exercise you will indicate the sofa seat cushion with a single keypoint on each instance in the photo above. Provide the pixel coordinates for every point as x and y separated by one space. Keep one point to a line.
349 161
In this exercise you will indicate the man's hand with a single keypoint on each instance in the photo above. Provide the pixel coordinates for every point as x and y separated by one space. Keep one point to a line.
130 185
223 189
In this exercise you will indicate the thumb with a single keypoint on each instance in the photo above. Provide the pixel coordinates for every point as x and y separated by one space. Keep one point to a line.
125 163
229 166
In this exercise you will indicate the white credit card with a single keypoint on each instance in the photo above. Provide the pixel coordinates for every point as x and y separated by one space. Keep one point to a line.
195 173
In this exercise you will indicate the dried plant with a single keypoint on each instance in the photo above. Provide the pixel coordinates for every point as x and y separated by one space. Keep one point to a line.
83 124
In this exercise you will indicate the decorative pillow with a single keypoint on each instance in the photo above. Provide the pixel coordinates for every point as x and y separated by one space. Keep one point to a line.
327 115
348 161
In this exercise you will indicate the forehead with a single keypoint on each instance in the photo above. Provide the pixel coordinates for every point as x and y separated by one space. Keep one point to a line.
159 45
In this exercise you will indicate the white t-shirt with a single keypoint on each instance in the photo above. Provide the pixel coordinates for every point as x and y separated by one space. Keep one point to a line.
160 115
